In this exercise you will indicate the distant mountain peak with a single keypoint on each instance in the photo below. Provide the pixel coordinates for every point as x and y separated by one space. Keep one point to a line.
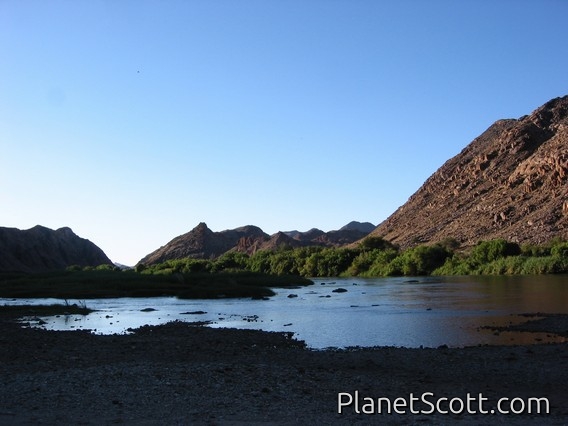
358 226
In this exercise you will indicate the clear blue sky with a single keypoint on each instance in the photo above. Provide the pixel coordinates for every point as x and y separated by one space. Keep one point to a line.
133 121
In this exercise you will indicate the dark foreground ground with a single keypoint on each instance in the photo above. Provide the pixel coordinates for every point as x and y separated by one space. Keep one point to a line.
179 374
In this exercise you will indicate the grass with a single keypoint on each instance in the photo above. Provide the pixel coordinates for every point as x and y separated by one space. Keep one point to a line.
104 284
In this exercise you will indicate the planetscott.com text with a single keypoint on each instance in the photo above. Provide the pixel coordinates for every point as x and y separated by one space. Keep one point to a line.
429 403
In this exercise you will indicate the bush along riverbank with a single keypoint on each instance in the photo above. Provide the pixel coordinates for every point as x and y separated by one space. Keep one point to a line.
375 257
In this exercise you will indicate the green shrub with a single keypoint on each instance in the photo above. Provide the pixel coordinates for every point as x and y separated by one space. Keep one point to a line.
230 260
420 260
106 267
381 266
511 265
531 250
375 243
488 251
362 262
454 265
560 249
74 268
260 262
539 265
283 263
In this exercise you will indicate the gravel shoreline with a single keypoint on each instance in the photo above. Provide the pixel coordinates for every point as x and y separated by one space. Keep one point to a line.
181 373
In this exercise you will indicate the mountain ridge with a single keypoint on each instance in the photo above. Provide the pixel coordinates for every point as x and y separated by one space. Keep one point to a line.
40 249
203 243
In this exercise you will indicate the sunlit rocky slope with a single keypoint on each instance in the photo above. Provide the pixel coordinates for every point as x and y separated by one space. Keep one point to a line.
511 182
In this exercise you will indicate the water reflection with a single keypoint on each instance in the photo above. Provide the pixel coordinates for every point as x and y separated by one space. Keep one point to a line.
372 312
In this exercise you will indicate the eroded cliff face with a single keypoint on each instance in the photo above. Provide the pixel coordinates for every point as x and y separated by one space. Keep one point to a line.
511 182
41 249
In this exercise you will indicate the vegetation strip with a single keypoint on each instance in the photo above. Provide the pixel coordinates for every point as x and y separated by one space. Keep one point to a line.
376 257
236 274
103 283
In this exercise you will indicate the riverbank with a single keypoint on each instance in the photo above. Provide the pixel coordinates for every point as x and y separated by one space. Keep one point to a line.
94 284
181 373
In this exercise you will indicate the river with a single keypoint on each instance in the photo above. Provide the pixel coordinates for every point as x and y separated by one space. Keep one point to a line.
409 312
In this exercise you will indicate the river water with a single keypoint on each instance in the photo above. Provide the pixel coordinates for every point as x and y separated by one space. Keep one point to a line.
409 312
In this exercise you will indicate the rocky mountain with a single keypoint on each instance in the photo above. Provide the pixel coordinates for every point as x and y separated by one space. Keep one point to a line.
339 238
305 236
349 233
511 182
280 239
365 227
41 249
203 243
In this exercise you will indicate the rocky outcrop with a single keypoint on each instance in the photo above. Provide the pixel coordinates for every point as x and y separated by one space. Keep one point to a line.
510 182
41 249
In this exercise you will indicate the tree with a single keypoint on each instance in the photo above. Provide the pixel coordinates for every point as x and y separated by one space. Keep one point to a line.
231 260
372 243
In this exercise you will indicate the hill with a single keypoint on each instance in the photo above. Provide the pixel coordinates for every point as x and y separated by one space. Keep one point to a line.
202 243
510 182
41 249
365 227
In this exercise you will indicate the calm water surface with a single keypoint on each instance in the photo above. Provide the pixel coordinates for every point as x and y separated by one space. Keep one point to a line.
372 312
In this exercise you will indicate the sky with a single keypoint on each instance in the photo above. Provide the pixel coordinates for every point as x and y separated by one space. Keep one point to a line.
133 121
